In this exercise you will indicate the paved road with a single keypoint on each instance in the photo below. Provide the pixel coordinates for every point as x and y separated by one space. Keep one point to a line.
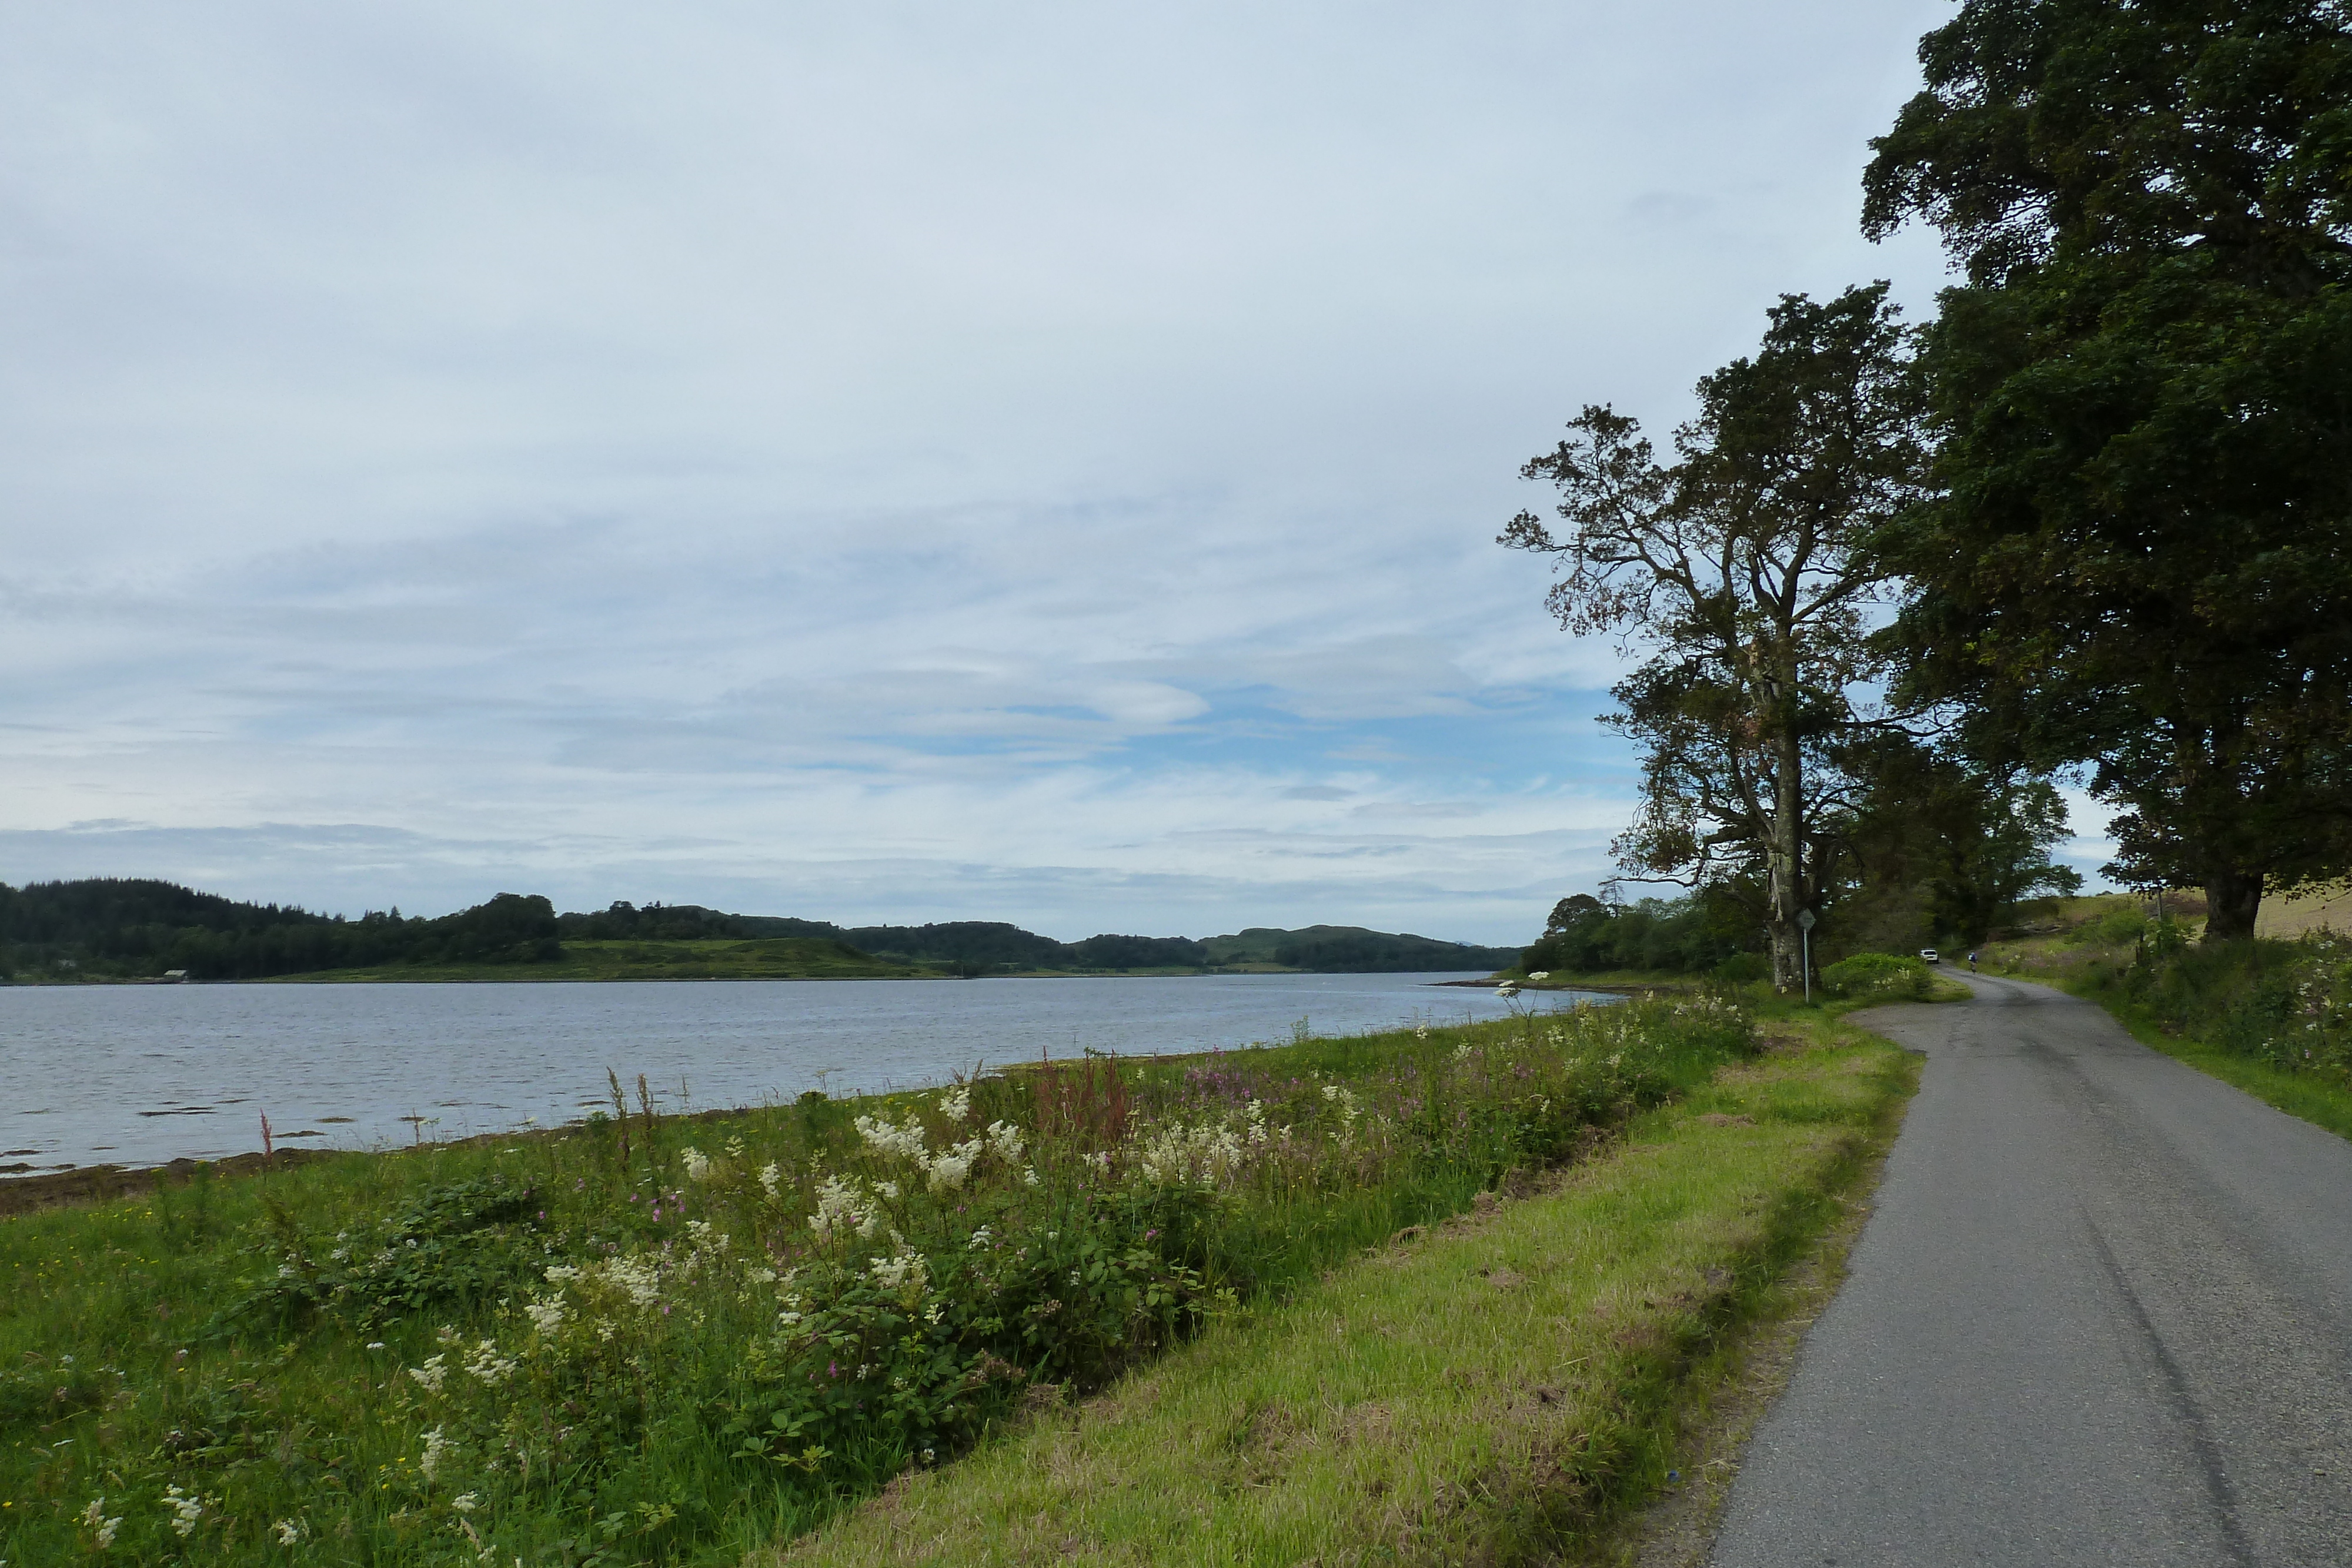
2102 1315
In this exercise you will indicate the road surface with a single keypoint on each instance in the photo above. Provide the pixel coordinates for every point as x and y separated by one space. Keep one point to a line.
2102 1314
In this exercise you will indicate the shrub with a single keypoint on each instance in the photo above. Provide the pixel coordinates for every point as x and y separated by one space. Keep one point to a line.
1883 976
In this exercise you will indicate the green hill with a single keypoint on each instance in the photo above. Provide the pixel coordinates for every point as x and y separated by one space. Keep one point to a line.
133 929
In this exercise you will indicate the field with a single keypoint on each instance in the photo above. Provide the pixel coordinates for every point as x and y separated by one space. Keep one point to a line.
658 1339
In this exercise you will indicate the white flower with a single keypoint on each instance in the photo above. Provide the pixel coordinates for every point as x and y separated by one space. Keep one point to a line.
1178 1155
1540 975
1006 1140
102 1529
842 1207
762 1276
546 1314
949 1168
889 1189
436 1445
1029 1175
982 1238
465 1502
560 1272
185 1511
956 1104
289 1532
638 1277
892 1139
430 1374
698 1163
770 1175
900 1271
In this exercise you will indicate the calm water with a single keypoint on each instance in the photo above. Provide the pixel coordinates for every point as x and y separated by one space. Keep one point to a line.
141 1074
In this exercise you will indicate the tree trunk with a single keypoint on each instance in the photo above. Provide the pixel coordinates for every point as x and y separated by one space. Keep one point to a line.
1784 855
2233 899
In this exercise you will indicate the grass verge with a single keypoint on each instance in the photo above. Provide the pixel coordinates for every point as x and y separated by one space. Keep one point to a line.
2319 1100
1502 1387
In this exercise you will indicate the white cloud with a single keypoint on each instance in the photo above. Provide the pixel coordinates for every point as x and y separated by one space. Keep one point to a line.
717 446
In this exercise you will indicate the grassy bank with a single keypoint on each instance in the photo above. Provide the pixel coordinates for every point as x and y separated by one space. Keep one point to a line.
1498 1388
650 1340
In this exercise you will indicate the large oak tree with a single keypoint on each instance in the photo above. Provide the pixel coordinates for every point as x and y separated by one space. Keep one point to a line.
2142 398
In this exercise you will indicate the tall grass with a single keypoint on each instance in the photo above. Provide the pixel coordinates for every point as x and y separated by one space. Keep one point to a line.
661 1340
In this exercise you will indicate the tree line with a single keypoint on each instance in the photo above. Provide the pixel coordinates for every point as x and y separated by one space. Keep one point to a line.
2087 522
110 927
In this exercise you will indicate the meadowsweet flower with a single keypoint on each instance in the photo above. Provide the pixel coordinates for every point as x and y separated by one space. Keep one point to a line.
547 1313
289 1533
1004 1140
892 1139
956 1104
698 1163
842 1207
436 1445
102 1528
946 1169
560 1272
1029 1175
428 1376
889 1189
982 1239
186 1511
900 1271
466 1502
1178 1155
770 1176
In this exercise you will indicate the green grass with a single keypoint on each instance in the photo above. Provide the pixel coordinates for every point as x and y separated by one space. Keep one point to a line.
1496 1390
270 1347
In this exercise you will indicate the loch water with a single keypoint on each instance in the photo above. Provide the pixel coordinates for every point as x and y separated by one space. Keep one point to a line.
138 1075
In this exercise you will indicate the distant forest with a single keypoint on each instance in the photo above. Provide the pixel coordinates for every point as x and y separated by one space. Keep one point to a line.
109 928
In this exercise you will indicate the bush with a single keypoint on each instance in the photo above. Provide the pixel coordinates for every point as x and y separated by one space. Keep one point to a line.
1886 976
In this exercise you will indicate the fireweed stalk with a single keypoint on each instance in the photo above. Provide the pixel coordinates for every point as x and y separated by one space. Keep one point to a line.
570 1355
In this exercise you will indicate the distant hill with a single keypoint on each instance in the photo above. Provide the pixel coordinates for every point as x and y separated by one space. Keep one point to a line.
113 928
1353 950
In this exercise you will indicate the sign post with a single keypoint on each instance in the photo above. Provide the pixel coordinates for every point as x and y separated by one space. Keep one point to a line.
1805 937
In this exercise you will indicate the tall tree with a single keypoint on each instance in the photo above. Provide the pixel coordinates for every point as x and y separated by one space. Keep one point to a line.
1743 570
2142 398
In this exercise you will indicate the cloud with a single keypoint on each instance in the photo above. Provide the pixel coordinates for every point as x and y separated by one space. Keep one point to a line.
868 463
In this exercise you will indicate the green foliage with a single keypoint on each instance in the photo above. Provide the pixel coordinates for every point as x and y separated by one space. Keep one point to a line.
2134 558
453 1249
673 1356
1684 935
1954 843
1886 976
1742 570
2288 1004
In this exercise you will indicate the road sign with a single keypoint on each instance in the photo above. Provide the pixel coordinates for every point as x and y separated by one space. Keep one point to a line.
1804 920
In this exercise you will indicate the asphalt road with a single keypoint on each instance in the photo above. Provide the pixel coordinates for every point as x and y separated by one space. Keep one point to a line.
2102 1314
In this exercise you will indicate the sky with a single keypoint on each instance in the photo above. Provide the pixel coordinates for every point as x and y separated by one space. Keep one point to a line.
891 463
